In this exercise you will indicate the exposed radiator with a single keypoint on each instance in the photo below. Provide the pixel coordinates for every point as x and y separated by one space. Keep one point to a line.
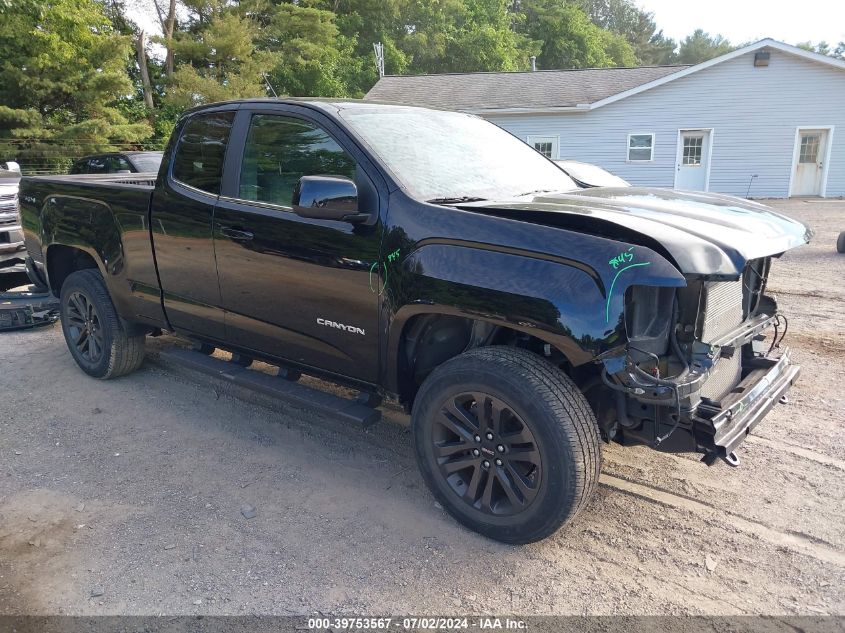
722 309
722 313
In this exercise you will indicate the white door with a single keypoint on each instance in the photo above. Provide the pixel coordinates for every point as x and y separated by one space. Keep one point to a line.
808 171
693 161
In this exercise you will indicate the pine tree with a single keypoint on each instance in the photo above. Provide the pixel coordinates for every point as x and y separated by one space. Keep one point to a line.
63 74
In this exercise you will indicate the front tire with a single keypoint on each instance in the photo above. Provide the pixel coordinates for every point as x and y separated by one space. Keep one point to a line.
101 343
840 243
506 443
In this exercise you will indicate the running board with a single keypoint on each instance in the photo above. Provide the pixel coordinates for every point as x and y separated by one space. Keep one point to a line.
292 393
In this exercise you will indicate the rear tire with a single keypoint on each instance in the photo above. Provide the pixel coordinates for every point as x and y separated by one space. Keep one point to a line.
537 462
101 343
840 243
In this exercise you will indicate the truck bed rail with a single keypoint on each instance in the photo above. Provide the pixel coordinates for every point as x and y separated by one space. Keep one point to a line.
141 179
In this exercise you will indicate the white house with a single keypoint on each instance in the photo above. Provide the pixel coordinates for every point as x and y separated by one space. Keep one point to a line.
766 120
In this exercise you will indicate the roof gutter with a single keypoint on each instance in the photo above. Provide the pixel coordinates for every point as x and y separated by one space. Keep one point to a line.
583 107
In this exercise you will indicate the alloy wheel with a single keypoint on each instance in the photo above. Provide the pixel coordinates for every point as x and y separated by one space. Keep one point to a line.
487 454
83 325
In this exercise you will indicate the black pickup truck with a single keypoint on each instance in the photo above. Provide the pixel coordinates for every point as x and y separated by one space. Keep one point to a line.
435 258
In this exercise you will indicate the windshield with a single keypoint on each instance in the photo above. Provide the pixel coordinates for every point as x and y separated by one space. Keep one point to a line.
147 162
448 156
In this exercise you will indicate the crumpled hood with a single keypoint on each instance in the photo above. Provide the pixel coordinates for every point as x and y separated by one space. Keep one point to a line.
706 234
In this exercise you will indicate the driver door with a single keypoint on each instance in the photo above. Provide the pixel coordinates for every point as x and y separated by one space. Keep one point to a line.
292 287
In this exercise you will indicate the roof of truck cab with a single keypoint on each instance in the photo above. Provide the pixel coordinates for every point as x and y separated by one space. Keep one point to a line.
327 104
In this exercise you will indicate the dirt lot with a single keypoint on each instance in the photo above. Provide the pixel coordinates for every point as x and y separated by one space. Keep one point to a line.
133 489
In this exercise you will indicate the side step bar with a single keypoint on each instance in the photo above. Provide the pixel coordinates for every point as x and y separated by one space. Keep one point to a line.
295 394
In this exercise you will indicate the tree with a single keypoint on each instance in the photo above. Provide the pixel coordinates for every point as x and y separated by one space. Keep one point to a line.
650 46
216 57
437 36
823 48
63 76
700 46
311 56
166 14
568 38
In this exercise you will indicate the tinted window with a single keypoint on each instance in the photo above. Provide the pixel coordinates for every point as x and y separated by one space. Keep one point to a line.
280 150
80 167
199 156
97 165
148 162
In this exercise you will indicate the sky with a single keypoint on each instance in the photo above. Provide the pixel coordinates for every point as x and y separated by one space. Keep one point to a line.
742 21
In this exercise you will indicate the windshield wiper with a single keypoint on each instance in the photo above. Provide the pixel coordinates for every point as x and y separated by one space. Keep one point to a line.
456 200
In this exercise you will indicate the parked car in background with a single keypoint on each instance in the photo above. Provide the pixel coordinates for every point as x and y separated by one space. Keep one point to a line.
11 237
118 163
587 175
12 249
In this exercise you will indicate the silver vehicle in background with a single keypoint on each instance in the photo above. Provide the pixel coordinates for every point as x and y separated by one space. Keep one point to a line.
29 304
12 249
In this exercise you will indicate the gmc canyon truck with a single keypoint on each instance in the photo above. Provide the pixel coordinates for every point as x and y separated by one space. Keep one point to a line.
435 258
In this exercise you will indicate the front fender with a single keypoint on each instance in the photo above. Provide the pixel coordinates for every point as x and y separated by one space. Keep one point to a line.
574 302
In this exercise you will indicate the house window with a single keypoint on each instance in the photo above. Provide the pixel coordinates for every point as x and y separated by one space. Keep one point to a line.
692 150
809 152
546 145
640 147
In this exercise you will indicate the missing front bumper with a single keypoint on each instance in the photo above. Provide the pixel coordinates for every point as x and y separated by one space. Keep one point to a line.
723 427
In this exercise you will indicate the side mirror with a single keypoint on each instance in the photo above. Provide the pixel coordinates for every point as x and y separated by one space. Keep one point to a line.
326 198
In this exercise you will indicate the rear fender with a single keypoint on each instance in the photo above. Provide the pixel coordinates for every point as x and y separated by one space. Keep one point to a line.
89 226
575 305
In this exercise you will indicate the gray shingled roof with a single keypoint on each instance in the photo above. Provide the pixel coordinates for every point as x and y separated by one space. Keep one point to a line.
543 88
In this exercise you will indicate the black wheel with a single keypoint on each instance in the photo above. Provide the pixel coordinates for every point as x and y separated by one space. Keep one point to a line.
506 443
840 243
101 343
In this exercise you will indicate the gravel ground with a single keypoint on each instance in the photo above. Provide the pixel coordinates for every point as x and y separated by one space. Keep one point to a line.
125 497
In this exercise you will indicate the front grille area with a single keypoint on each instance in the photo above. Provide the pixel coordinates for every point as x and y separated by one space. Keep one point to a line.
722 313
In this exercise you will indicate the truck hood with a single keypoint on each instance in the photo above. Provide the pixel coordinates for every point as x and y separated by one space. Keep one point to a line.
705 234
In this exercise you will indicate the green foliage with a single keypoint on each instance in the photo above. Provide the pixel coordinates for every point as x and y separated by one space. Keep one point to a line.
823 48
700 46
569 39
217 58
62 77
311 53
460 36
650 46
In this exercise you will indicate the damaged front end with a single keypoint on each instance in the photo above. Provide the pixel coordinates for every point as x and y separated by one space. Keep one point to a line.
702 366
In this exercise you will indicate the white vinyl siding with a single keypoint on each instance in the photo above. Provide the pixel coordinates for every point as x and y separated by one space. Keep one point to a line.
754 113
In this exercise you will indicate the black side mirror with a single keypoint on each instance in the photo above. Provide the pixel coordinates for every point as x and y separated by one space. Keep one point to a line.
326 198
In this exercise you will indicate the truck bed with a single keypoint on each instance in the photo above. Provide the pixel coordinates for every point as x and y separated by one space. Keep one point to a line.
110 211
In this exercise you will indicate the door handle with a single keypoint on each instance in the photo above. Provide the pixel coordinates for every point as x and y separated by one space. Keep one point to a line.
236 234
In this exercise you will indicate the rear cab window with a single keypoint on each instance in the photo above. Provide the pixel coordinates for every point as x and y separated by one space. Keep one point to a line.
200 152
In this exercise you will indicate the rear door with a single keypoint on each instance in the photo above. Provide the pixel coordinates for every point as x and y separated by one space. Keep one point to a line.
297 288
181 219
